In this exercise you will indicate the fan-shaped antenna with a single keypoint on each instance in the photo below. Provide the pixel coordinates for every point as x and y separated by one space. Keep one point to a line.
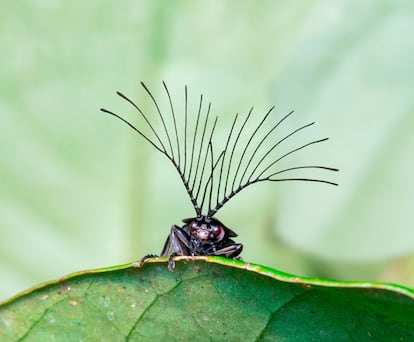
213 176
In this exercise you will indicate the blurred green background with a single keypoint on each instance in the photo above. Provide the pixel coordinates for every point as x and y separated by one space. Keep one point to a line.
80 190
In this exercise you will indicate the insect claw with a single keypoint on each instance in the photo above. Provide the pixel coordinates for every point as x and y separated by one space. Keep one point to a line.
147 257
171 262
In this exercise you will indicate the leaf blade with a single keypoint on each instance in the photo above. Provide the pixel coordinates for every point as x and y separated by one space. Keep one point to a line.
210 298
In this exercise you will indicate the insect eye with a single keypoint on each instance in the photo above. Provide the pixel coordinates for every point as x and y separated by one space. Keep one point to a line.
218 232
196 226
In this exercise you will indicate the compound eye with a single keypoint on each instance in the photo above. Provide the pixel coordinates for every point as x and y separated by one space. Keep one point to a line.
194 226
217 232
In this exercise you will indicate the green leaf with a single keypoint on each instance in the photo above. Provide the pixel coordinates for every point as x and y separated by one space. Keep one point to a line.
208 299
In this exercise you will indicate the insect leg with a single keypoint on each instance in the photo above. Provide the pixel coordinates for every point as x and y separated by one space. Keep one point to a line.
178 243
230 251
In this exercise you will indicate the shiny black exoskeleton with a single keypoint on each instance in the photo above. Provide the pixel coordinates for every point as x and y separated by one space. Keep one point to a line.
200 236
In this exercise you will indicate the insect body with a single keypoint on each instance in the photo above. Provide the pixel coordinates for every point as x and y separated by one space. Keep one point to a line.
213 177
201 237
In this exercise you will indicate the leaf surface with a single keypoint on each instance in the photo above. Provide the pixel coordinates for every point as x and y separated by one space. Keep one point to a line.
209 299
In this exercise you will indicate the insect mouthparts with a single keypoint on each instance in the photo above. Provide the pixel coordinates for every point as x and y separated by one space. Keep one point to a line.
213 176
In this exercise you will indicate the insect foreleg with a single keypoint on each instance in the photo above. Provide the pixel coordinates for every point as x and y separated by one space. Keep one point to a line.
178 243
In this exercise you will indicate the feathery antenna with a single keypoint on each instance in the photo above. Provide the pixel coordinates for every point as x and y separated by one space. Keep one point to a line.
202 167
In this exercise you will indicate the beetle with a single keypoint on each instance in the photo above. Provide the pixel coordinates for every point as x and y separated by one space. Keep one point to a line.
210 177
